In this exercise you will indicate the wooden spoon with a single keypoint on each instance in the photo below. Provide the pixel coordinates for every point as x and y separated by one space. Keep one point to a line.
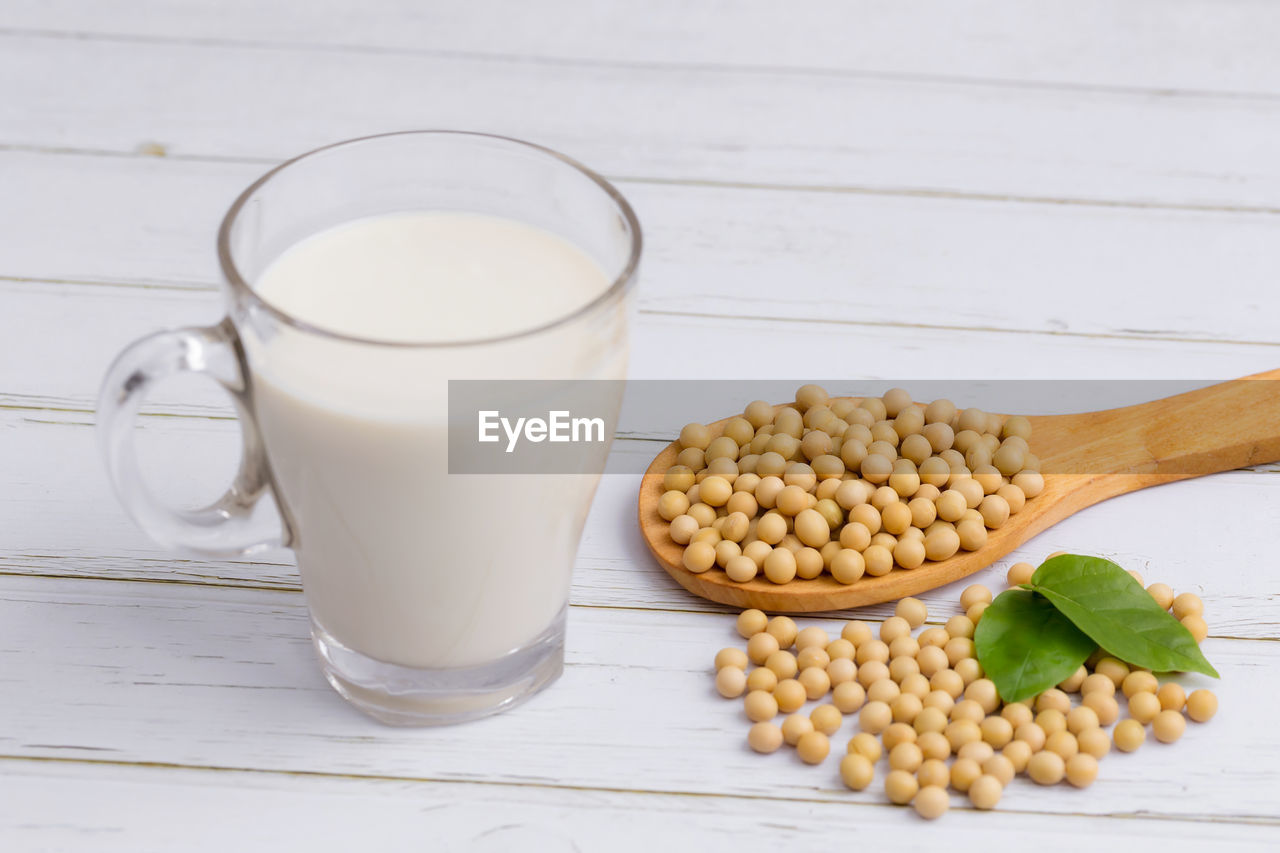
1086 457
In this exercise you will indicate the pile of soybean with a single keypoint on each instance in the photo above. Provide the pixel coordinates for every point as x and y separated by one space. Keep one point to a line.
924 704
846 486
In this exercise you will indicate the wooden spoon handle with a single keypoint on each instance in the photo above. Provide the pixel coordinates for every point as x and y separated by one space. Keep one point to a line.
1231 425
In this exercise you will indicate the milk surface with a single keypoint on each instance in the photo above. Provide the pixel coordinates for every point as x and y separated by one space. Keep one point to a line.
400 560
431 277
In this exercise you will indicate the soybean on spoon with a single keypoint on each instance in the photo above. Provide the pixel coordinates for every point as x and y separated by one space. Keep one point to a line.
1085 458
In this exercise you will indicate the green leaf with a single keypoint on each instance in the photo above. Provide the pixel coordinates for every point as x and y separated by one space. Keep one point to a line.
1026 646
1105 602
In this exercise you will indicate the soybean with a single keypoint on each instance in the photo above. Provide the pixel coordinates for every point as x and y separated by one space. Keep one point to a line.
805 476
764 737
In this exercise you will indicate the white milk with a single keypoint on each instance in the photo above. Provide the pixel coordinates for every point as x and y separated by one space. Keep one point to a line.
400 560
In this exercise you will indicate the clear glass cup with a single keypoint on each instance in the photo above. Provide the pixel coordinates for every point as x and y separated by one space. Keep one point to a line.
450 605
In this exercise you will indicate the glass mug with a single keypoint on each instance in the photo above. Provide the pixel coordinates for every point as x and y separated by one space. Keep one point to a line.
434 597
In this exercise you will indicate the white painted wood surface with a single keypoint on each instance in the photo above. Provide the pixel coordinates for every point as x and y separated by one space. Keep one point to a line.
916 190
1225 46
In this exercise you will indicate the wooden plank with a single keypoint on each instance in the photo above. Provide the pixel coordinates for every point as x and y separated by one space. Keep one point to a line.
225 678
59 518
129 808
933 137
1192 45
38 370
123 808
838 259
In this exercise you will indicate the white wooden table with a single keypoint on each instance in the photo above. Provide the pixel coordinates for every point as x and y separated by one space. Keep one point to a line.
893 191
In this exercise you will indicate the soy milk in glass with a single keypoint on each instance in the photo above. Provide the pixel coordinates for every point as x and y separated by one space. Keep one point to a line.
361 279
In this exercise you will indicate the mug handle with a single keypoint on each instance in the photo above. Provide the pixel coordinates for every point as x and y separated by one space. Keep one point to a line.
237 524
